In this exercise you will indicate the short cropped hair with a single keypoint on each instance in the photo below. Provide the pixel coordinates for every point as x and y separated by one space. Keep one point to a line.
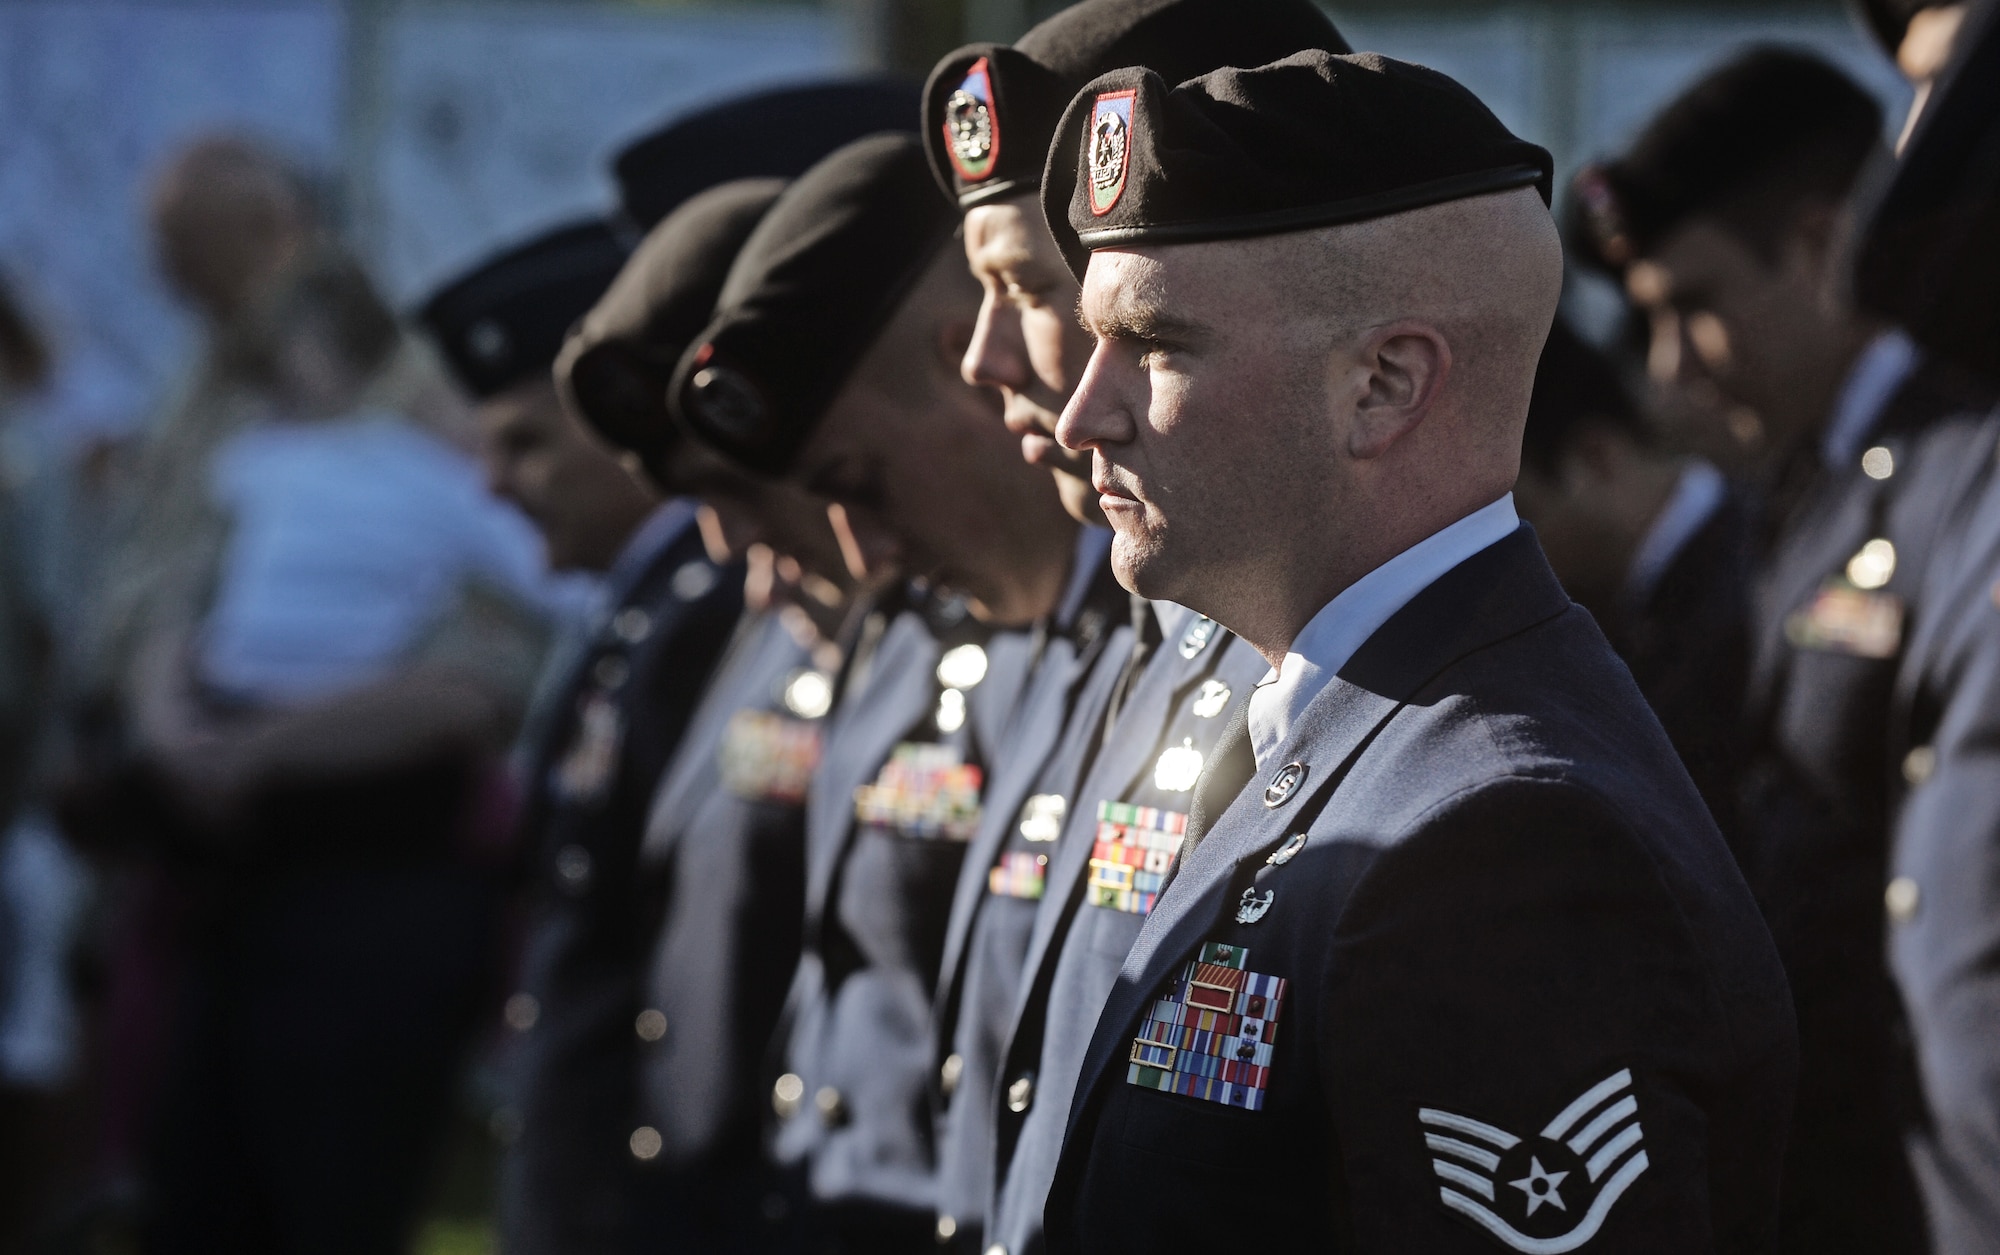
1751 144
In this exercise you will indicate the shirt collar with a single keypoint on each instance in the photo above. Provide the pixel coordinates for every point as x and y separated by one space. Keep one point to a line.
1344 624
1093 549
1697 495
661 528
1877 373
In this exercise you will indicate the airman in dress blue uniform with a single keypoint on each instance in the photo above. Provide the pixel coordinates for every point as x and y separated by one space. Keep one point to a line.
1453 957
990 110
1724 207
1938 892
827 366
615 717
722 863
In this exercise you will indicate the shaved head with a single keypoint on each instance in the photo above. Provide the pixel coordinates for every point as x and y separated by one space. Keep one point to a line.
1272 418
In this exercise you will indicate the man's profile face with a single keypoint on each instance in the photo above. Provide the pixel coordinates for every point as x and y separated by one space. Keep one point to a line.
1026 344
1203 408
1731 321
537 456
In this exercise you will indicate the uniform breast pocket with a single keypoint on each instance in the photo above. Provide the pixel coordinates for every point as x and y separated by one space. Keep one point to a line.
896 895
1189 1130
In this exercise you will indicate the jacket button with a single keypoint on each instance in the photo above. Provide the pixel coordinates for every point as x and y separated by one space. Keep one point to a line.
1878 462
832 1106
645 1143
947 1229
785 1095
996 1249
573 868
521 1012
1020 1094
1902 898
632 625
1918 765
948 1074
651 1025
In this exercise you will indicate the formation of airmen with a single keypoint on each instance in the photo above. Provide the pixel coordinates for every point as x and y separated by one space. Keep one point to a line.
1084 751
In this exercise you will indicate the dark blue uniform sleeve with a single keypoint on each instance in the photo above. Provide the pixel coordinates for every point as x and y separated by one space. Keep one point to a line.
1943 906
1544 1031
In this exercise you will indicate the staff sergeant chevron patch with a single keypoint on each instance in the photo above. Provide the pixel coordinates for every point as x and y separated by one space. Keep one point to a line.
1549 1193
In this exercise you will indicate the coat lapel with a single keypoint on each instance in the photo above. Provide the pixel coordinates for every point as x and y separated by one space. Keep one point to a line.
1504 589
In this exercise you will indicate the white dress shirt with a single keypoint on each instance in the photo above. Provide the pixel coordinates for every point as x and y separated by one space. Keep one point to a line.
1697 495
1874 378
1344 624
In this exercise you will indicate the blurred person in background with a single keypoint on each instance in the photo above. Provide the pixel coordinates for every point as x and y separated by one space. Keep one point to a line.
619 703
1728 222
1928 259
722 861
38 1098
831 362
316 712
1655 544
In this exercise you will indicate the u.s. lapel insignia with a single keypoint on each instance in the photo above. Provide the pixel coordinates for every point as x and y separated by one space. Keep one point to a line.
1110 149
1544 1194
1212 1035
1252 908
1198 635
1283 784
971 127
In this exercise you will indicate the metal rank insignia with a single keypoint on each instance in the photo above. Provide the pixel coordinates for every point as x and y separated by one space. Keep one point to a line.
1198 636
971 131
585 772
1844 618
1211 1036
1134 850
766 757
1019 874
924 791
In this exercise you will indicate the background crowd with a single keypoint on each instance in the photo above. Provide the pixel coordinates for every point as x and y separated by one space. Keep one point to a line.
363 711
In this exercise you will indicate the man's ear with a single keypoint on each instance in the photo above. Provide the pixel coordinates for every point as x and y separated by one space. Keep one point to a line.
1407 364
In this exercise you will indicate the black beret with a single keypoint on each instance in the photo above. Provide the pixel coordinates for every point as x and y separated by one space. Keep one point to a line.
502 323
1313 140
816 282
1929 256
990 110
615 368
1735 127
769 135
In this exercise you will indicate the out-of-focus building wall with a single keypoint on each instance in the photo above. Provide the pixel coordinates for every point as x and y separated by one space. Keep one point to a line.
442 128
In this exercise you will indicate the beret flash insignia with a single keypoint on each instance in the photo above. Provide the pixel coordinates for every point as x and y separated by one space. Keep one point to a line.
971 128
1110 149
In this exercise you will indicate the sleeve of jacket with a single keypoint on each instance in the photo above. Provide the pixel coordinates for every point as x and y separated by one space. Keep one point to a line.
1943 906
1533 1051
